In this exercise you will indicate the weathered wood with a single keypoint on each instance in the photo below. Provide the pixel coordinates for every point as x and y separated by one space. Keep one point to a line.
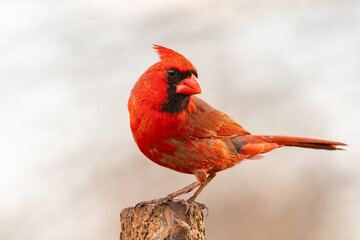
168 221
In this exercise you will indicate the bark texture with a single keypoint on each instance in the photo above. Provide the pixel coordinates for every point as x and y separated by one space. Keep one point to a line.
168 221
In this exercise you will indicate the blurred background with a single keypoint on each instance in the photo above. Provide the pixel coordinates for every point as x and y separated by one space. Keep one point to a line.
68 160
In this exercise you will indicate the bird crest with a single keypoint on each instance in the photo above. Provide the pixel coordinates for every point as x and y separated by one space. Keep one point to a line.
169 55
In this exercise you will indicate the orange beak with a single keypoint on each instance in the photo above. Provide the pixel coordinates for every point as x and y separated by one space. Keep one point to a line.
189 86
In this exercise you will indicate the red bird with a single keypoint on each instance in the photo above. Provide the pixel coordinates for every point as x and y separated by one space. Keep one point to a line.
179 131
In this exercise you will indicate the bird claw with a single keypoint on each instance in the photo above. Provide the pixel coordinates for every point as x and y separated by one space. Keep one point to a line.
141 204
165 200
157 202
202 206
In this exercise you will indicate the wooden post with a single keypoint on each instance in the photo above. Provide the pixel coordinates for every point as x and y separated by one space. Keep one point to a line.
168 221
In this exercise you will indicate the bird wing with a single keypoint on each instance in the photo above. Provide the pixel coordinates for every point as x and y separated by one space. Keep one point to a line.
207 122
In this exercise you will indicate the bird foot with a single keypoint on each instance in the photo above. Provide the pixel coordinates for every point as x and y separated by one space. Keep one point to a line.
165 200
202 206
157 202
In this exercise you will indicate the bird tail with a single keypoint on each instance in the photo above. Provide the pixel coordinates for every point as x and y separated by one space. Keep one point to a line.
302 142
253 145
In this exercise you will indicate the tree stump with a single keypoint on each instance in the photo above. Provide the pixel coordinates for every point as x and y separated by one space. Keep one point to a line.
168 221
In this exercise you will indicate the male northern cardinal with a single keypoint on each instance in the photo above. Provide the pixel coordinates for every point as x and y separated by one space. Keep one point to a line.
179 131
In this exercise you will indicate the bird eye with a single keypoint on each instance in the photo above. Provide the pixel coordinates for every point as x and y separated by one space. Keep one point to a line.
171 73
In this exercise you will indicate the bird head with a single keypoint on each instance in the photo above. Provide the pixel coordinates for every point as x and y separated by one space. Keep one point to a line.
180 73
168 84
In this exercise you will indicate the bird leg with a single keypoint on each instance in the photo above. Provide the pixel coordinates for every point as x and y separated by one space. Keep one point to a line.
202 186
202 181
182 191
170 197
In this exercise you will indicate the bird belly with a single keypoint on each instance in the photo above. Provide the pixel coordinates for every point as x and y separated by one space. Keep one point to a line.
186 156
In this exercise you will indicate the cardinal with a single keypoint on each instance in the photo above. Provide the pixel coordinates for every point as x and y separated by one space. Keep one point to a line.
180 131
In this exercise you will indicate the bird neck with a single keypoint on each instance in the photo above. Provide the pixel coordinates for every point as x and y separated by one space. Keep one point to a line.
176 103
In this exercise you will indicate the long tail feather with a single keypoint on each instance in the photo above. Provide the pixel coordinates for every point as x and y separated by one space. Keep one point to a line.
301 142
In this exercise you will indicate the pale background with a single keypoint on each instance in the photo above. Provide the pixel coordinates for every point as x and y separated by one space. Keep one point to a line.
68 160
